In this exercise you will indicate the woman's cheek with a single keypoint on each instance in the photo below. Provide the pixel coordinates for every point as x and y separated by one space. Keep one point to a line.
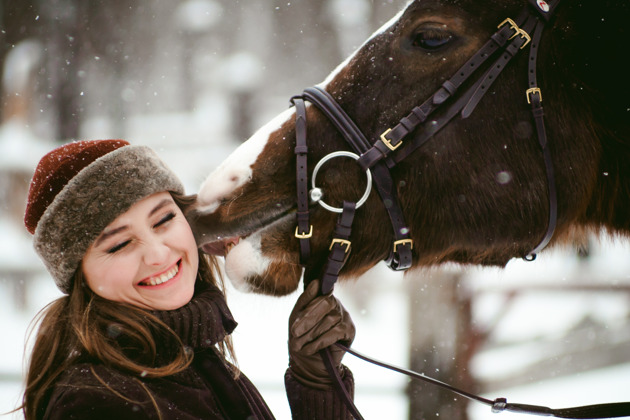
120 274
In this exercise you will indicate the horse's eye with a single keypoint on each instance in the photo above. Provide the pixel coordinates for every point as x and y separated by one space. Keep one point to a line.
431 40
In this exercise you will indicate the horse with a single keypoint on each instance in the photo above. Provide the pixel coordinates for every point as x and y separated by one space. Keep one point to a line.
478 190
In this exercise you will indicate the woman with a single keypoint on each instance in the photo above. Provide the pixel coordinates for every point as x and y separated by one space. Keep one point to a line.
143 330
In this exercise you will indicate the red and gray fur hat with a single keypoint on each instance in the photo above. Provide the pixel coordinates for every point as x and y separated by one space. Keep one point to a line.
80 188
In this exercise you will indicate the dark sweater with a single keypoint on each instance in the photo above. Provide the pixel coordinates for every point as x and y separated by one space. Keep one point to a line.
206 389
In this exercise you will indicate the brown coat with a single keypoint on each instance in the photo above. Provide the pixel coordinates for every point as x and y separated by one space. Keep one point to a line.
205 390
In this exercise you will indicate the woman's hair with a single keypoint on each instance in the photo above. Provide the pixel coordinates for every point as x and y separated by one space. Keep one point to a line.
83 326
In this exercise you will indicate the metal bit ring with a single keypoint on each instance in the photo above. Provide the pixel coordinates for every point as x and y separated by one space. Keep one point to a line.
317 191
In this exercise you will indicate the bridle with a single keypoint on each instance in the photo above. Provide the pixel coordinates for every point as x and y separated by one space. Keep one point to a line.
378 158
392 147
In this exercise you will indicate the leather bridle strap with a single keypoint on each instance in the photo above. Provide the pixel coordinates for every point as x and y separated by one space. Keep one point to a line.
509 48
598 411
400 257
534 97
391 139
463 104
333 372
339 250
303 230
483 85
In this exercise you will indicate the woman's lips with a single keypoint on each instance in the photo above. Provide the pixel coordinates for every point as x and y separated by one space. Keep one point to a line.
162 278
220 248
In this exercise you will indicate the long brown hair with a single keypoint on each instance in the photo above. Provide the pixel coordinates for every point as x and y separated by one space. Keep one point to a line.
78 327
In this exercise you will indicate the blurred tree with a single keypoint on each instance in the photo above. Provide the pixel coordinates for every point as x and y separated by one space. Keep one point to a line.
305 43
112 59
442 343
109 39
18 21
63 40
75 35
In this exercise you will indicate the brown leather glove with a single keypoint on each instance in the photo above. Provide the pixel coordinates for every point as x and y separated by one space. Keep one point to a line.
315 323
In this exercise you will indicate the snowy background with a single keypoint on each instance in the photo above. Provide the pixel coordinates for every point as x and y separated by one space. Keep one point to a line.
194 78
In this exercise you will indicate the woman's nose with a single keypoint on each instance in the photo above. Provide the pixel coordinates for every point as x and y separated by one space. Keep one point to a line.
156 253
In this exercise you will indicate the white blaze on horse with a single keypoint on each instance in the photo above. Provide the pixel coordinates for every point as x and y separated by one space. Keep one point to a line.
475 178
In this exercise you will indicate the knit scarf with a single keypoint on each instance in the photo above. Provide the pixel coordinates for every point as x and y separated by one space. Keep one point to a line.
202 322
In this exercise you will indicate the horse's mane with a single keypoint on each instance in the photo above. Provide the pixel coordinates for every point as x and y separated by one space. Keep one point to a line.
591 41
594 35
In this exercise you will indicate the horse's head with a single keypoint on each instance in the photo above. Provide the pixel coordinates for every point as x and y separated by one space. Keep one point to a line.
476 192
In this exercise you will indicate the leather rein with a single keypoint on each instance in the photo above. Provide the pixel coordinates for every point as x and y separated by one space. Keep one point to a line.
391 148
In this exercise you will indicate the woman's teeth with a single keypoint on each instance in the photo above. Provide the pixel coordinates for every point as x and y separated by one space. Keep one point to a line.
154 281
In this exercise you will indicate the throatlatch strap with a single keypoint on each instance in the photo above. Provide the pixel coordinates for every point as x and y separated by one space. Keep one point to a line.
534 97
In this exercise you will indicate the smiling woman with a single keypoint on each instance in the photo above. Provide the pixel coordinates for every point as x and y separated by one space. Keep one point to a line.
146 257
144 330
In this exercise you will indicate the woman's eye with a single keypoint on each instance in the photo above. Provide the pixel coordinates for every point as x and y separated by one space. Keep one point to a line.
431 40
163 220
118 247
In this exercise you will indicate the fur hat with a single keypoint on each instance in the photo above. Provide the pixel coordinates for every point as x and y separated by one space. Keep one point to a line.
80 188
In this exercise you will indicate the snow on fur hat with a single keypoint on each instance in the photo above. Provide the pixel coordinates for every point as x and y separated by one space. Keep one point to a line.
80 188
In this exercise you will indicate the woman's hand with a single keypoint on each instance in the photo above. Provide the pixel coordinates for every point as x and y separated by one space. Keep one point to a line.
317 322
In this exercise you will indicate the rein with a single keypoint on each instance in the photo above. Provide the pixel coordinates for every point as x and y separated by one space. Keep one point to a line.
392 147
498 405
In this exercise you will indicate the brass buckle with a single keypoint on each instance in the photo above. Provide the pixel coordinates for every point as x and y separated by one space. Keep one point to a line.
529 91
388 142
303 235
403 242
341 242
525 35
512 24
517 31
